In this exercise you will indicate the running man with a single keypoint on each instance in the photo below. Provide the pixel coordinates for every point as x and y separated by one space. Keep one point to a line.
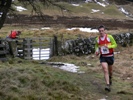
104 46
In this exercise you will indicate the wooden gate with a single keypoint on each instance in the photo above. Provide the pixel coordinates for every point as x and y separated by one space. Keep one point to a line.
37 48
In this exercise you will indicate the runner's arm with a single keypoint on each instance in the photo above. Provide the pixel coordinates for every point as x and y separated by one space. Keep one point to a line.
96 46
113 42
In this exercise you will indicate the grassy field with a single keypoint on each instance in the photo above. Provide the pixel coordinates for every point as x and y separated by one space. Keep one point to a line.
30 80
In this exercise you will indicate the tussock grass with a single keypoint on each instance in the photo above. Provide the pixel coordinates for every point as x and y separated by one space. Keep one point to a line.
29 80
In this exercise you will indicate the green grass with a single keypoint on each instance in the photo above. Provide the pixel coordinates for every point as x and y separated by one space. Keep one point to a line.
29 80
114 12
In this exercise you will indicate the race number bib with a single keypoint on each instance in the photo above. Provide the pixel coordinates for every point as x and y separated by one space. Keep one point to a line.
104 50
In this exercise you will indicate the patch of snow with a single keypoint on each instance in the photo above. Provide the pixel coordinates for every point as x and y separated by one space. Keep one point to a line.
19 8
124 11
43 28
84 29
75 4
128 14
101 4
86 1
69 67
94 10
81 29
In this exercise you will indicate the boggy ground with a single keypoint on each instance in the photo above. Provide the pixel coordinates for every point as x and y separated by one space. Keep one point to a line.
65 21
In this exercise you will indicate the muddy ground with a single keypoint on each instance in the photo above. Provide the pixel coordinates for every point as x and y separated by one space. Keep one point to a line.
69 21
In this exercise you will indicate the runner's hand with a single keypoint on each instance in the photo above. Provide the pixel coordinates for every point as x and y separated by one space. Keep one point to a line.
96 53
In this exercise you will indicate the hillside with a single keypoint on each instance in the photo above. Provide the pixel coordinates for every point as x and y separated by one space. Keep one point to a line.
38 80
89 14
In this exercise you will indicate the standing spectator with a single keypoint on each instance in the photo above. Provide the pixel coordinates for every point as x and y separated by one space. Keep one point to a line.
12 38
104 46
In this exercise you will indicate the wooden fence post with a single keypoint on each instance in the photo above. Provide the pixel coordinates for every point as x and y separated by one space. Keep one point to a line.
20 48
2 51
27 48
54 46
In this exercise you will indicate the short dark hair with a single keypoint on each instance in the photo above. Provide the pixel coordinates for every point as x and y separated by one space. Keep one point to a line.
101 26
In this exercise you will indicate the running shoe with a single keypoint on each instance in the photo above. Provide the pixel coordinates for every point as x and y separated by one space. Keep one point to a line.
107 88
110 80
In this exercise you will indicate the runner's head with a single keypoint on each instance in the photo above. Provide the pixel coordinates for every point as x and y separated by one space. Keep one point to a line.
101 30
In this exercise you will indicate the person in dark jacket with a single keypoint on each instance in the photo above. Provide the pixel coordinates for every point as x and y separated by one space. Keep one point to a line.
12 39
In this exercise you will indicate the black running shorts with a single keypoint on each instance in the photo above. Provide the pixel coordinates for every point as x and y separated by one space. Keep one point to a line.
108 60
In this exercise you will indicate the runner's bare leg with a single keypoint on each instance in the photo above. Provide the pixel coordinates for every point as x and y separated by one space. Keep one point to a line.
110 70
106 72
